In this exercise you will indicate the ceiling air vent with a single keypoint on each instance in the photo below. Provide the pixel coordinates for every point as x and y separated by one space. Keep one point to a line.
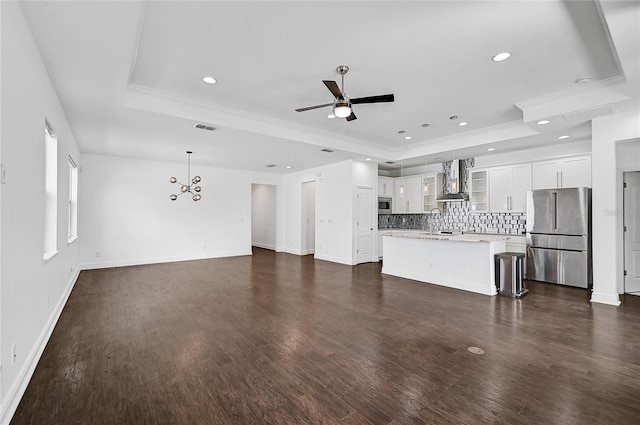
205 127
270 165
390 162
326 150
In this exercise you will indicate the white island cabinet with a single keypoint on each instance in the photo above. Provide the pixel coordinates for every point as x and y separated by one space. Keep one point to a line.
461 261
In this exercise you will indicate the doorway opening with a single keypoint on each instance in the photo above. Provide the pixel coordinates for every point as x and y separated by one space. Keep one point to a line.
308 230
631 232
263 216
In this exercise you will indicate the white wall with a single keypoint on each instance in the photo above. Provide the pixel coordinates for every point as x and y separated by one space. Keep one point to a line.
126 216
334 211
293 205
607 133
263 216
33 291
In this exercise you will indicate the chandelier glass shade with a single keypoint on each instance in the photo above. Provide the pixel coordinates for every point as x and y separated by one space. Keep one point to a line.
193 187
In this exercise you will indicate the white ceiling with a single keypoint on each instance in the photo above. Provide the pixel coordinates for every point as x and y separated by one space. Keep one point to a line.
129 76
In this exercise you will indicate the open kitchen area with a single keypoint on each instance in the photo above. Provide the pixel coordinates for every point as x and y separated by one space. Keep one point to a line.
432 223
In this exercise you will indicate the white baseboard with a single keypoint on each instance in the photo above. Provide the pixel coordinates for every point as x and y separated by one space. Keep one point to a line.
347 261
264 246
611 299
158 260
19 386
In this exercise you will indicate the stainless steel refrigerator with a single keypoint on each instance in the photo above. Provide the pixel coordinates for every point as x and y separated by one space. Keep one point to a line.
559 236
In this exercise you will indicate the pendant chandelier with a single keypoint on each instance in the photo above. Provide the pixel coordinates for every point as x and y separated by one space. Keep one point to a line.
192 187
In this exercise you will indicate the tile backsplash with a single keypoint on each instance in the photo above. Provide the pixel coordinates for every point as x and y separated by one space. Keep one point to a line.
457 216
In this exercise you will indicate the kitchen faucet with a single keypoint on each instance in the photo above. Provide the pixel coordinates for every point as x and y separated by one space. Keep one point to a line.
439 211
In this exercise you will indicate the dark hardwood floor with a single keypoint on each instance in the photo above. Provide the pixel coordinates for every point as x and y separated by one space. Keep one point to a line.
280 339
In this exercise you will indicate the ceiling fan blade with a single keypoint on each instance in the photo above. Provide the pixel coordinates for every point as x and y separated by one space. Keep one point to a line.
308 108
373 99
333 88
352 117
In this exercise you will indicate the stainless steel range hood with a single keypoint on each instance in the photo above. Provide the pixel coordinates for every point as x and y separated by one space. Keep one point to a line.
453 197
453 194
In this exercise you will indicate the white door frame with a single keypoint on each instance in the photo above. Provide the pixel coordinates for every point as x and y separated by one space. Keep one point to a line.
631 222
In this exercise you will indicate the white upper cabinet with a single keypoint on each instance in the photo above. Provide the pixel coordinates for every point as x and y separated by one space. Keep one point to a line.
479 190
565 172
432 189
408 198
508 187
385 187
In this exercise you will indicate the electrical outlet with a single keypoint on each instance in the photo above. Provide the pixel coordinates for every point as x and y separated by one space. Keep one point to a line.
204 247
3 174
97 253
13 354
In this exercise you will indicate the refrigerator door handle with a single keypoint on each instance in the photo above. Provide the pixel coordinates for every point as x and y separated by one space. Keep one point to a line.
555 211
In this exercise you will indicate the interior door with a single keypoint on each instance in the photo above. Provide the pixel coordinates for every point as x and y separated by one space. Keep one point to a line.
364 225
632 233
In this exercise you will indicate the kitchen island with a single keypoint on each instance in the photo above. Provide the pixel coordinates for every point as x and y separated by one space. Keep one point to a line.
463 261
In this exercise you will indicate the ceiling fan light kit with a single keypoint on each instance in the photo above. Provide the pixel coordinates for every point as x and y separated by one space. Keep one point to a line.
192 188
342 105
342 108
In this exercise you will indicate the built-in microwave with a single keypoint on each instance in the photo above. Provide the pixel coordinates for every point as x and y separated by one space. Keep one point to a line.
384 205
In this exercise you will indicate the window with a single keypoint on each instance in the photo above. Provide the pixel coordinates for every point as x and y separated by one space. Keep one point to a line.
72 207
50 193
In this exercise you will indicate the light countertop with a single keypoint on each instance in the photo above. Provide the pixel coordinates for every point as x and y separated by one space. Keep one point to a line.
465 237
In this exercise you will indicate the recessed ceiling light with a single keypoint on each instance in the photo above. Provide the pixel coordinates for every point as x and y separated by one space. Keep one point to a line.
501 57
209 80
543 122
563 137
331 116
462 124
288 167
582 80
367 159
491 149
407 137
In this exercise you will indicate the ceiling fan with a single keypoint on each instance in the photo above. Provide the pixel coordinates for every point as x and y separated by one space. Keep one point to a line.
342 104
